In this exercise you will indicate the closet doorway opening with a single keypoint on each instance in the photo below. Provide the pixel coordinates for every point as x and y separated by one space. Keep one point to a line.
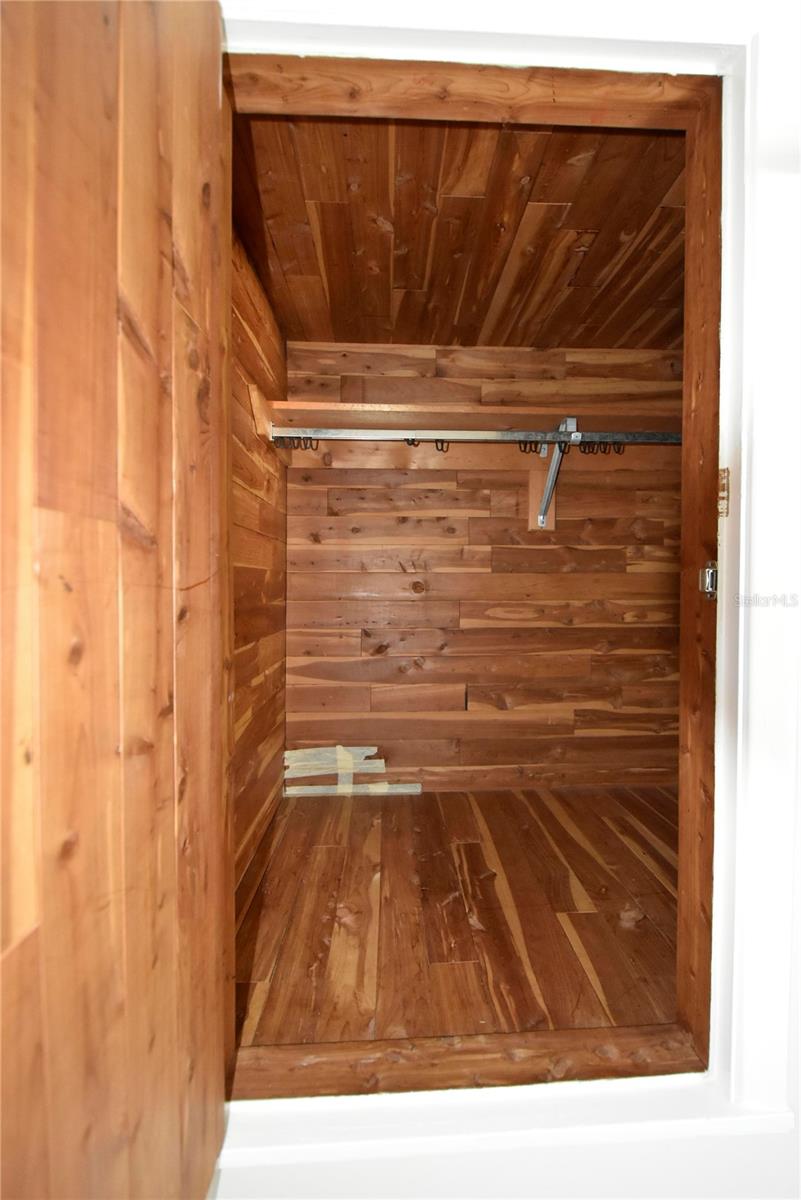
473 446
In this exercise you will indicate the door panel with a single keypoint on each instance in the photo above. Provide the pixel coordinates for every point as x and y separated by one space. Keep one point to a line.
699 529
116 913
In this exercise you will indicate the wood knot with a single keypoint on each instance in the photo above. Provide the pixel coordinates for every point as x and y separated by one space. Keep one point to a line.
559 1068
203 396
75 653
69 845
205 194
418 586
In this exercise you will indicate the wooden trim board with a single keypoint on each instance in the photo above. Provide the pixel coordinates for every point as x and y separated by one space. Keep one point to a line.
293 86
699 542
482 1060
287 85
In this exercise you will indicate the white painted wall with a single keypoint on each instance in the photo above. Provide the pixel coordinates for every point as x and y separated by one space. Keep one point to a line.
732 1132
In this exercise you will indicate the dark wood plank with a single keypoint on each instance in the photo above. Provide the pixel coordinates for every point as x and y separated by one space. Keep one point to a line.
347 1003
513 987
292 1007
567 991
446 929
632 991
405 1004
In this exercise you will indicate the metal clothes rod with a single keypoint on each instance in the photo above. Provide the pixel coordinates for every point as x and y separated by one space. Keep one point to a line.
279 433
561 439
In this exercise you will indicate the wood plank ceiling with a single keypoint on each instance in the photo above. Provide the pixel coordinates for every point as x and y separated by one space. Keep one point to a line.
460 234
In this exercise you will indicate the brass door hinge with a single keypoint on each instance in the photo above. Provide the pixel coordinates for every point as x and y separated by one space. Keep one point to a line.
723 492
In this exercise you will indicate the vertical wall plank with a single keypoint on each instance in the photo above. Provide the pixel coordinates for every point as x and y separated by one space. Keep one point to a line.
25 1144
83 941
115 255
20 875
197 427
75 253
223 218
146 552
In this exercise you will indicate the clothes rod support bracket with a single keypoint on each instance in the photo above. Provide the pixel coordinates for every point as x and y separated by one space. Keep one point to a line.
567 426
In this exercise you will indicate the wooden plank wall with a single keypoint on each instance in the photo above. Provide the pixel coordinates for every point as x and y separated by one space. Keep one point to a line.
423 615
258 556
340 385
115 250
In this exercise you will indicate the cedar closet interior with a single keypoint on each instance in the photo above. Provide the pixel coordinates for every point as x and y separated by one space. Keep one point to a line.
480 884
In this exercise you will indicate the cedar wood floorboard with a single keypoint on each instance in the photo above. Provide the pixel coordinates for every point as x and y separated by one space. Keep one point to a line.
459 915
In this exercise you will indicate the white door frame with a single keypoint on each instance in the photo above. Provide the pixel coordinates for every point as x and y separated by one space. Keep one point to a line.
663 1136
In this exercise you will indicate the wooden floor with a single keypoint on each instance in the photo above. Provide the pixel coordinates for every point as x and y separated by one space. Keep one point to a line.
452 914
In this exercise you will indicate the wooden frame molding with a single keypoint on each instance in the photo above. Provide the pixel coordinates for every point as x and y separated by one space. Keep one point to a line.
285 85
481 1060
281 85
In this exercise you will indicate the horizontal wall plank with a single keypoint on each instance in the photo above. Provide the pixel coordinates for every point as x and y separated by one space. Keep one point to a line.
342 358
392 558
603 694
364 389
357 730
318 643
332 614
377 530
337 698
578 531
331 477
629 751
522 362
467 502
454 585
483 668
652 611
251 549
561 559
503 640
418 697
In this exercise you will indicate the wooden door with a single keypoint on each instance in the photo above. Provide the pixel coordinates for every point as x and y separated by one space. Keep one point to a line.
115 242
699 540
